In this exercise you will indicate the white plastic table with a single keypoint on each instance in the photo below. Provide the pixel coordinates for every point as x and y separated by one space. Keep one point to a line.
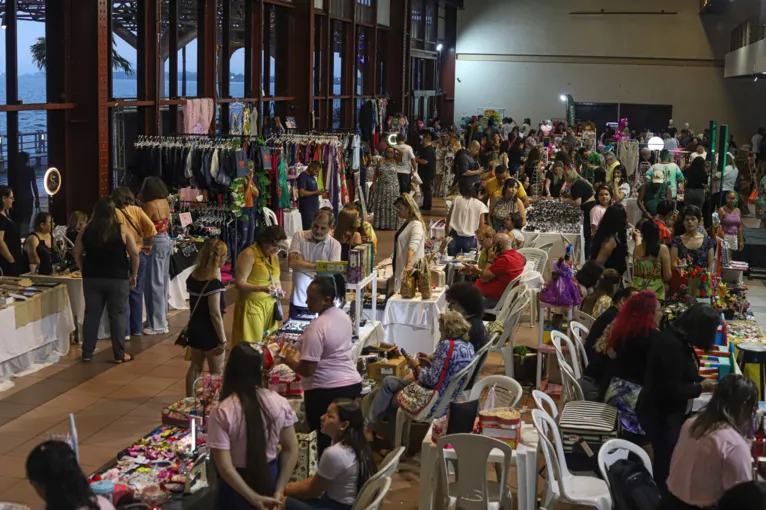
524 458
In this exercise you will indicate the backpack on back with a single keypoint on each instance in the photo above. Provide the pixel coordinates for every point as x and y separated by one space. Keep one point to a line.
632 487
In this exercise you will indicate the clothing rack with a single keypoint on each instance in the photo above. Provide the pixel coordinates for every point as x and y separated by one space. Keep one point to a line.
215 214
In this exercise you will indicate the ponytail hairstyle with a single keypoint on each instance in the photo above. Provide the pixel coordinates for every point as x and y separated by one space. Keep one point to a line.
353 437
242 378
332 287
52 467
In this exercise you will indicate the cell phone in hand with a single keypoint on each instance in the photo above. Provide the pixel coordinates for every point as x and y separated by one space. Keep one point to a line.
404 353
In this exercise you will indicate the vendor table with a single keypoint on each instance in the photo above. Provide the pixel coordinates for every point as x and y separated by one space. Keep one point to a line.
414 323
370 334
524 459
35 331
180 261
293 222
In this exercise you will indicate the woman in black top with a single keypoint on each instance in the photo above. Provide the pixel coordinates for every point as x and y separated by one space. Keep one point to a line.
672 381
10 238
632 335
36 258
107 255
554 180
206 335
580 195
696 182
610 244
515 154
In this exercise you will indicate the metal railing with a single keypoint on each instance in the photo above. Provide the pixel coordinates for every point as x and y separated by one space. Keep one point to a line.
35 144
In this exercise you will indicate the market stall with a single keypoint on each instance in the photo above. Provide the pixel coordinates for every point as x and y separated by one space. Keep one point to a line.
36 322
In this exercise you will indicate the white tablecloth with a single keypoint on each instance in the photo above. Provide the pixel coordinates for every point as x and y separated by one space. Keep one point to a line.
414 323
30 347
524 458
559 247
293 223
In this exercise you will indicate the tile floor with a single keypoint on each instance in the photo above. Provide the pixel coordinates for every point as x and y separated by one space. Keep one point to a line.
116 404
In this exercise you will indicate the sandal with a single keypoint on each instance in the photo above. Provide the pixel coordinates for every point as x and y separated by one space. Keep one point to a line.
126 358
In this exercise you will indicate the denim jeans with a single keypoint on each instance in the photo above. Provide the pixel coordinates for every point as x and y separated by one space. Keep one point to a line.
248 227
460 243
100 293
230 499
134 321
384 403
157 283
404 182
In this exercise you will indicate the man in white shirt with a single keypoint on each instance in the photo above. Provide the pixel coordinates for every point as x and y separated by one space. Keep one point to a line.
308 247
464 219
756 141
699 152
406 164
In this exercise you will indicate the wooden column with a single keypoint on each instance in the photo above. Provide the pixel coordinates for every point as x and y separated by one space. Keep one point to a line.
56 21
12 82
206 42
148 66
173 63
86 172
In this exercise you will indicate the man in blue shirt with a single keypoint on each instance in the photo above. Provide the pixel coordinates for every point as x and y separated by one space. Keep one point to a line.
309 193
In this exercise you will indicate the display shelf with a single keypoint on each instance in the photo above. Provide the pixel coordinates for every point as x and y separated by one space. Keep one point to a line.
358 288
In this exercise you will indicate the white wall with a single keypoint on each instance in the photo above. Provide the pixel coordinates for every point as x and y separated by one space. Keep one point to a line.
498 41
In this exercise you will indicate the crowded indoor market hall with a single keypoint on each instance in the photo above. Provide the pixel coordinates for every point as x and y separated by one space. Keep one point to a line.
397 254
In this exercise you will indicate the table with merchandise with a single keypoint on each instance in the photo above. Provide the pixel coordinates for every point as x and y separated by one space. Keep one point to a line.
413 324
36 321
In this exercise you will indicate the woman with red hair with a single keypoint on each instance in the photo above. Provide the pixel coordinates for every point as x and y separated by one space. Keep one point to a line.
632 334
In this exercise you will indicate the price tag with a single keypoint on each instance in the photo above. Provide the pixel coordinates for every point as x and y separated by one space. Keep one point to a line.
186 219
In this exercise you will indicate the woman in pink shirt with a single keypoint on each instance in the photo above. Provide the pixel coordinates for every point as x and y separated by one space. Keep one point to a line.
244 431
712 454
53 472
323 356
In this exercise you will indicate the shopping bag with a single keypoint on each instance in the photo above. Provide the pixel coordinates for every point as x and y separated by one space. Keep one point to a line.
753 197
418 401
307 457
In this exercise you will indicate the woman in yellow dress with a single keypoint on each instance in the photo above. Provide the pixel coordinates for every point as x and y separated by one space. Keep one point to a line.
258 284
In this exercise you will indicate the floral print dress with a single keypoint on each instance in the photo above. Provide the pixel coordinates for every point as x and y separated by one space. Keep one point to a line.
386 191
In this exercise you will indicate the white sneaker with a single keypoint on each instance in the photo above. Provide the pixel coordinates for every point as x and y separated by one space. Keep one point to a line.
127 337
149 331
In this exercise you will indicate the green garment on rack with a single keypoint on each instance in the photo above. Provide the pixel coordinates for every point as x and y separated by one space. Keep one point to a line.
283 192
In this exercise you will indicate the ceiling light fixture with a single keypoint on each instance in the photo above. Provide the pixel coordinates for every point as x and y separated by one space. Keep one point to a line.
563 97
439 47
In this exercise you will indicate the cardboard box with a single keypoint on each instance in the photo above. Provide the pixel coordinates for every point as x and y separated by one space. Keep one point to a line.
382 369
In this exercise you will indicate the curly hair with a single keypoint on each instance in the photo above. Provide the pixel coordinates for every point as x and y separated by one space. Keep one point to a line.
635 319
467 296
454 325
209 255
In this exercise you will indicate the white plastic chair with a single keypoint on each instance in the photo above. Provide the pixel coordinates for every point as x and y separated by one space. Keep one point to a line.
515 293
619 449
504 345
545 247
559 339
561 484
481 357
501 381
371 495
572 388
471 490
456 386
543 400
269 218
499 306
579 334
540 258
386 469
583 318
